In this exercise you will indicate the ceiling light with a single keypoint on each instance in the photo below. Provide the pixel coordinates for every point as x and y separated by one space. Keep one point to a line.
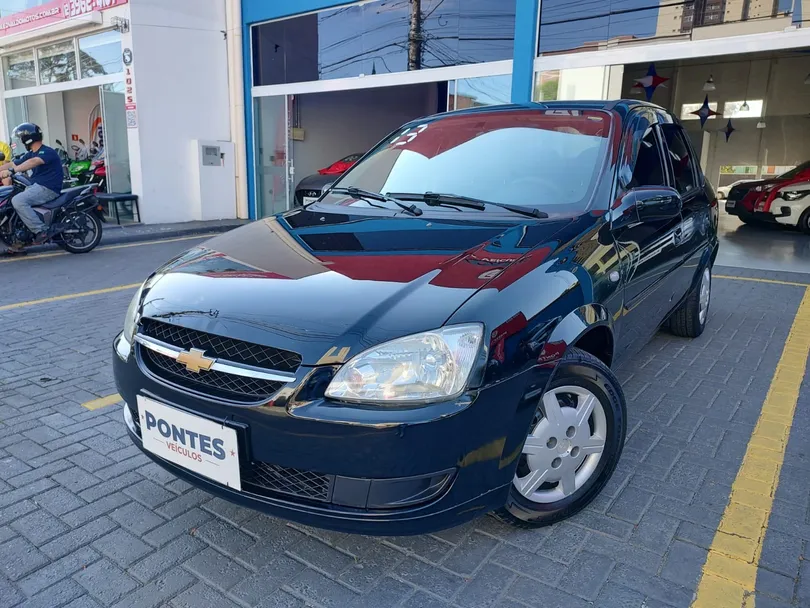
761 124
709 86
745 107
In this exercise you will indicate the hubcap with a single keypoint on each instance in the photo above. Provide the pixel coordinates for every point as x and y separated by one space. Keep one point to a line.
565 446
705 295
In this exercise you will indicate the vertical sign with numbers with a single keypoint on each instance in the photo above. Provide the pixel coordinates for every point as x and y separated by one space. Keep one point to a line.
130 103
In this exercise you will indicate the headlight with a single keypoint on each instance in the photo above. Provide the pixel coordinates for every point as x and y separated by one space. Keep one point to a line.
132 318
431 366
792 196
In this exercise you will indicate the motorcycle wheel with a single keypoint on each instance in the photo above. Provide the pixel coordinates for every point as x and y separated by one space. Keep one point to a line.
88 230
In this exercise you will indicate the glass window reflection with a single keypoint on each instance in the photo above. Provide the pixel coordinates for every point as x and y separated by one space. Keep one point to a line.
100 54
57 62
19 70
590 25
483 91
383 37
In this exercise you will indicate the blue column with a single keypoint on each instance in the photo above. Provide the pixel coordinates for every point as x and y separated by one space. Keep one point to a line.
526 12
250 148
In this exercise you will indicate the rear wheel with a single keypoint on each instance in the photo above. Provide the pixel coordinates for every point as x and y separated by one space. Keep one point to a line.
82 234
689 320
572 447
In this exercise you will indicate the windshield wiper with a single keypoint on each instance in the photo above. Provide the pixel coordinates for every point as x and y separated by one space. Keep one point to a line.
376 196
435 199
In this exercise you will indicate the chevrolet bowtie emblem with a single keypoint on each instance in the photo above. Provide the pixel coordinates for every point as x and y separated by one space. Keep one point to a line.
195 360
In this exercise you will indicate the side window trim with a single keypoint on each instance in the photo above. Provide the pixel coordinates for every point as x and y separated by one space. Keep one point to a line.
663 153
677 130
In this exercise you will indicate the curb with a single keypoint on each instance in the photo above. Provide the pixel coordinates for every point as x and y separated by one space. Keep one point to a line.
115 235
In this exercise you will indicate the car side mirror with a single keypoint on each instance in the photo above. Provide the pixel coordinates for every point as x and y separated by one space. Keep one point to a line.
645 204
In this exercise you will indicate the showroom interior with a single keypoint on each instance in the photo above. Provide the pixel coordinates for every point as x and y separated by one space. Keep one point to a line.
335 80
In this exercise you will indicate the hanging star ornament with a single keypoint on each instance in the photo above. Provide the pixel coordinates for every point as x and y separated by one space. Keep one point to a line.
650 82
705 112
729 130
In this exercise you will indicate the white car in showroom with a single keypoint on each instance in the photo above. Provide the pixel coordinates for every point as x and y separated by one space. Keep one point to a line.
722 191
788 204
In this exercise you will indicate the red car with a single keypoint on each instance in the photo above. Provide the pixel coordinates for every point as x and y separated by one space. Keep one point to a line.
311 187
752 201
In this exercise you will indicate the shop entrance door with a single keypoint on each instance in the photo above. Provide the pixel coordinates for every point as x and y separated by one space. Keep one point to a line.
115 142
273 162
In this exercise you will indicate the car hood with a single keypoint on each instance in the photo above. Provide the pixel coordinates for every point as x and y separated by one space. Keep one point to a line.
320 283
748 186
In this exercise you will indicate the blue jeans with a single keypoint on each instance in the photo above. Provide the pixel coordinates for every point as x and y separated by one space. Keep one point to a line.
33 196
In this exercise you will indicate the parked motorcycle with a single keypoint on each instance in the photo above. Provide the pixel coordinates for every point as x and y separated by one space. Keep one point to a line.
74 218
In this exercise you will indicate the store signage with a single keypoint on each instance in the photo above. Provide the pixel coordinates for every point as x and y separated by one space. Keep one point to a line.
52 12
127 56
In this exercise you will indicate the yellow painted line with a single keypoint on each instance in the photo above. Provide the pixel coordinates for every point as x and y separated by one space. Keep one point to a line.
54 254
755 280
70 296
730 573
97 404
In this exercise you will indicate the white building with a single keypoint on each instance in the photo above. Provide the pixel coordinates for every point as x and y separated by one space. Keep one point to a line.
147 79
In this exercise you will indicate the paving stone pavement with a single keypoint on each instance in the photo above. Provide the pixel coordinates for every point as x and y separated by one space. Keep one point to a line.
86 520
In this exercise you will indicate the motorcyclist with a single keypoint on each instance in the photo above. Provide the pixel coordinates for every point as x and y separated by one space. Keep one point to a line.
46 180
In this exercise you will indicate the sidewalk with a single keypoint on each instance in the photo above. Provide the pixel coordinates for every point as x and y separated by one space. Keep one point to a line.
131 233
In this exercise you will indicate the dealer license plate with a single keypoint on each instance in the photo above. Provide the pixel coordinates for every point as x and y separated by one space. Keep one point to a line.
309 199
731 204
199 445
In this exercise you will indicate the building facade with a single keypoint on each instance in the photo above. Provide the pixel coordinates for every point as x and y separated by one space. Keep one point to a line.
144 81
319 74
279 91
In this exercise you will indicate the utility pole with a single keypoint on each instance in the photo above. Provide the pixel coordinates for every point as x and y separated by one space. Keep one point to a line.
415 36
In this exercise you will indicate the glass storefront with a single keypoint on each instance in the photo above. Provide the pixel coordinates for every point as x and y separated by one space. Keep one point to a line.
97 55
382 37
19 70
271 160
575 26
482 91
100 54
57 62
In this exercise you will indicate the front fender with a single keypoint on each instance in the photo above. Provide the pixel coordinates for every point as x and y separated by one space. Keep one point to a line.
573 328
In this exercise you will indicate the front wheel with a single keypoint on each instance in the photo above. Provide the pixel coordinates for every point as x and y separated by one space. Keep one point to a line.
82 234
804 221
573 445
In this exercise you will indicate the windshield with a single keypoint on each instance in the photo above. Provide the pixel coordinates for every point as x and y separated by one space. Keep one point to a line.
795 171
547 159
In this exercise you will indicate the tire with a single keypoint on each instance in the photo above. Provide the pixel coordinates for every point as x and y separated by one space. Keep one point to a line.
804 221
690 319
580 371
86 247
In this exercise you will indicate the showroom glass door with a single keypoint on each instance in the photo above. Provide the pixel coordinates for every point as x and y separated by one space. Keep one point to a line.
271 115
113 137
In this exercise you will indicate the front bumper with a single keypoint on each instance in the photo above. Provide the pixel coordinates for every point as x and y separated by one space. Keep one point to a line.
462 462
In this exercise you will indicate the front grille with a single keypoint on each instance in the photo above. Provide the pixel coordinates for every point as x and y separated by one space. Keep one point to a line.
218 384
221 347
261 478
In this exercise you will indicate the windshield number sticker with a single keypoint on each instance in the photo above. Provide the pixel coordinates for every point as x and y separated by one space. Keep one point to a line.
411 135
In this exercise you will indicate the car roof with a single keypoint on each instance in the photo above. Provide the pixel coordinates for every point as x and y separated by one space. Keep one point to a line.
622 107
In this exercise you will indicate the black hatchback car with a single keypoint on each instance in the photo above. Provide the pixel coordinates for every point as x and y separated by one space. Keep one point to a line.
432 339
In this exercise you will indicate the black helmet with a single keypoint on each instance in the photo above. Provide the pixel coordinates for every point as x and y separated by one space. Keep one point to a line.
28 133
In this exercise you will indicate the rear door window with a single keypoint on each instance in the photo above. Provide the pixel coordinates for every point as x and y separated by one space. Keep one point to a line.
680 158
